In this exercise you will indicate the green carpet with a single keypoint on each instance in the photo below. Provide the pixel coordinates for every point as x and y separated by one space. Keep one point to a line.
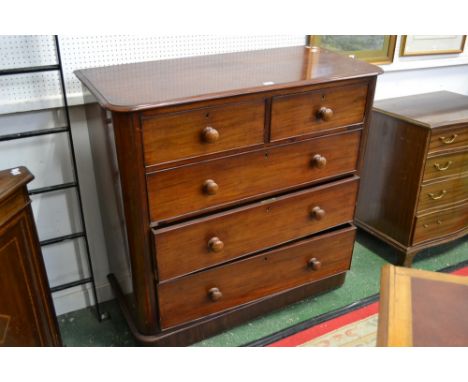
81 328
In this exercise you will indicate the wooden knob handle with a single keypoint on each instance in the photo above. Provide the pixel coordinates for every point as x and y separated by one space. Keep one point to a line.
215 245
315 264
325 113
210 134
317 213
319 161
214 294
210 187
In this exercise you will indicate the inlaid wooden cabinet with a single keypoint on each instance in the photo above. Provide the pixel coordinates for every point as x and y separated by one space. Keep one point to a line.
27 316
414 187
227 182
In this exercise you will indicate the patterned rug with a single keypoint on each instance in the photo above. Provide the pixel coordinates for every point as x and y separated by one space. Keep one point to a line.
356 328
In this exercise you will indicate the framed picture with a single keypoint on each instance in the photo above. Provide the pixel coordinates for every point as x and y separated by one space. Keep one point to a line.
431 44
377 49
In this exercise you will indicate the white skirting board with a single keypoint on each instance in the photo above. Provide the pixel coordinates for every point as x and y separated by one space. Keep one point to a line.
81 297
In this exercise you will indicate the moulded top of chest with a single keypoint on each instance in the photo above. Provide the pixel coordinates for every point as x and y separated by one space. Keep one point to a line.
145 85
12 179
431 110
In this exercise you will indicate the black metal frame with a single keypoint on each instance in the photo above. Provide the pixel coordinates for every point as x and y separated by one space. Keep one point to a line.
74 184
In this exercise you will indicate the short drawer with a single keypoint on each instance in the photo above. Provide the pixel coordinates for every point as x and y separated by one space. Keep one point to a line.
443 192
170 137
440 223
451 138
311 112
195 187
241 231
446 165
220 288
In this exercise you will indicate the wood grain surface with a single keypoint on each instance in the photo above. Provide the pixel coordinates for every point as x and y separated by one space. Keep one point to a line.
441 223
187 298
252 228
27 315
182 135
180 190
298 114
443 192
147 85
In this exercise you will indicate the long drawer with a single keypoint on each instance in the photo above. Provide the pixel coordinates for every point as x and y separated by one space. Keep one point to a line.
443 139
445 165
220 288
174 136
195 187
205 242
311 112
443 192
441 223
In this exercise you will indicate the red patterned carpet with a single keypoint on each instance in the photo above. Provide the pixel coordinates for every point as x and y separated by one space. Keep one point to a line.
356 328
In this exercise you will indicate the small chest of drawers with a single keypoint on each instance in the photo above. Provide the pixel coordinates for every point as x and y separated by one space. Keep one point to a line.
27 314
228 182
414 188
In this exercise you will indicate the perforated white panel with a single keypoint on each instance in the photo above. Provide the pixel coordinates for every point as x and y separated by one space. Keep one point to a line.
22 51
79 52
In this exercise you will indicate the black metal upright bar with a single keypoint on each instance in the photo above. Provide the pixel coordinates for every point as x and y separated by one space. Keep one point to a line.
74 184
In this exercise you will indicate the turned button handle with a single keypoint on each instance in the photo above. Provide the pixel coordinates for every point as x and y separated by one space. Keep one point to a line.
314 263
317 213
210 187
214 294
215 245
210 134
319 161
325 113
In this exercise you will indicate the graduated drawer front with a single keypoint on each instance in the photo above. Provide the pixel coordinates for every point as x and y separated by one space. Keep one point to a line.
441 223
182 190
244 281
300 114
188 247
175 136
443 192
448 139
446 165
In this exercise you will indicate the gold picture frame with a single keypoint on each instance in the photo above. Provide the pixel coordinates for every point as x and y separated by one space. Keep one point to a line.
376 49
441 44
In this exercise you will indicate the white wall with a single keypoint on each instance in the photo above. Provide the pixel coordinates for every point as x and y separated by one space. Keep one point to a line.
423 74
48 156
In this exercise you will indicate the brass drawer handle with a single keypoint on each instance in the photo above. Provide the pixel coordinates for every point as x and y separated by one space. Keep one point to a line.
325 114
448 140
215 244
214 294
443 168
210 187
210 134
439 196
314 264
439 222
319 161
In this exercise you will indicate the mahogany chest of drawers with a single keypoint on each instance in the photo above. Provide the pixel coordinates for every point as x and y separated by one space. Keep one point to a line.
27 315
228 183
414 187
